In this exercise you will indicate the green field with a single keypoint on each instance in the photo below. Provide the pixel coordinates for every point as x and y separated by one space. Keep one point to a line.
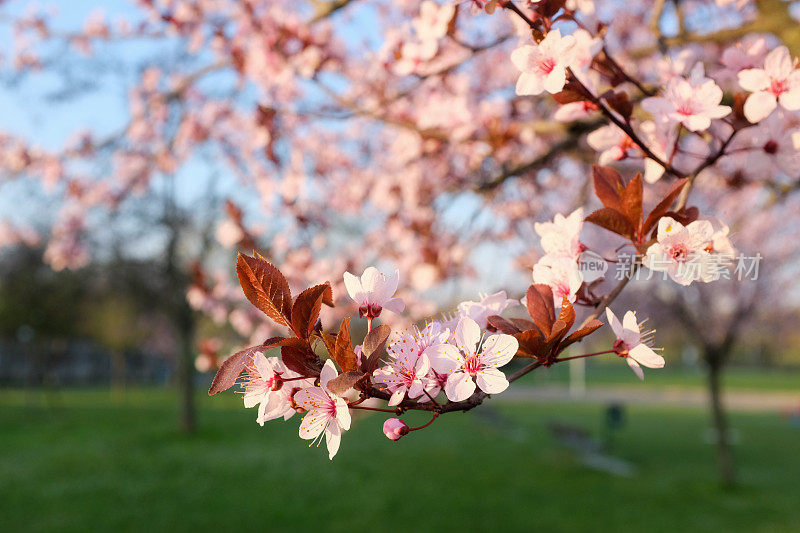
93 461
611 372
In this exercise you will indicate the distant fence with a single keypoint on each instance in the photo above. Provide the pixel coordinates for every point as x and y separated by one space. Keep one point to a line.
76 362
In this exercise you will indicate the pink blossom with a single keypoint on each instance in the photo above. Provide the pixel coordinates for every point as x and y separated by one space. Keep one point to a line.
433 20
328 413
660 138
632 344
405 373
745 54
469 362
561 274
692 102
681 251
493 304
584 50
777 82
561 237
264 387
770 147
374 292
394 428
612 143
544 65
413 54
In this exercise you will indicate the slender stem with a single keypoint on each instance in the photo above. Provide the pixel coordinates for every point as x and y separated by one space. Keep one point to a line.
434 417
562 359
428 394
369 325
510 5
299 377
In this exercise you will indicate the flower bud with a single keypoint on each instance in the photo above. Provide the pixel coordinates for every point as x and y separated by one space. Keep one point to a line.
394 428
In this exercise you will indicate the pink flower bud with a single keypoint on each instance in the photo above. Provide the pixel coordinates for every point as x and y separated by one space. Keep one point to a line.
394 428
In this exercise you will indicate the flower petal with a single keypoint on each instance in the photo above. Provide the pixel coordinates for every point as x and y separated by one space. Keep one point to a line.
397 396
759 105
328 373
313 424
459 386
444 358
354 289
499 350
635 367
333 437
395 305
342 414
467 335
491 381
645 356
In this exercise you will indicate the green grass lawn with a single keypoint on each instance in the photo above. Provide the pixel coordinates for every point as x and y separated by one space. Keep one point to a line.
90 461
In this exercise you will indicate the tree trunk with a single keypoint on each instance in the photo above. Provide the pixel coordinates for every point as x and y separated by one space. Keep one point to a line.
183 318
725 464
185 322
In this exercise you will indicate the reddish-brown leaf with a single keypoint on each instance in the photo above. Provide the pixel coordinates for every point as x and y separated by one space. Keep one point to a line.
579 334
530 344
548 8
608 186
539 301
684 216
306 308
567 314
374 346
343 352
569 95
522 324
619 102
612 220
632 201
300 358
663 206
345 381
502 325
559 330
265 287
233 366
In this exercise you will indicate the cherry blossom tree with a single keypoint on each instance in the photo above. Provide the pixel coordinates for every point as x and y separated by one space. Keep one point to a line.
434 140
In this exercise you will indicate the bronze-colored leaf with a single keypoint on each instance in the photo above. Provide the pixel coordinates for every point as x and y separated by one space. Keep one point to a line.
306 308
579 334
345 381
684 216
567 314
530 344
539 301
612 220
374 346
663 206
265 287
558 332
632 201
300 358
522 324
343 352
233 366
330 342
568 95
502 325
619 102
608 186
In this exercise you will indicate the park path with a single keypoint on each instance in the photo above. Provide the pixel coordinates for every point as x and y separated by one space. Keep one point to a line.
739 400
